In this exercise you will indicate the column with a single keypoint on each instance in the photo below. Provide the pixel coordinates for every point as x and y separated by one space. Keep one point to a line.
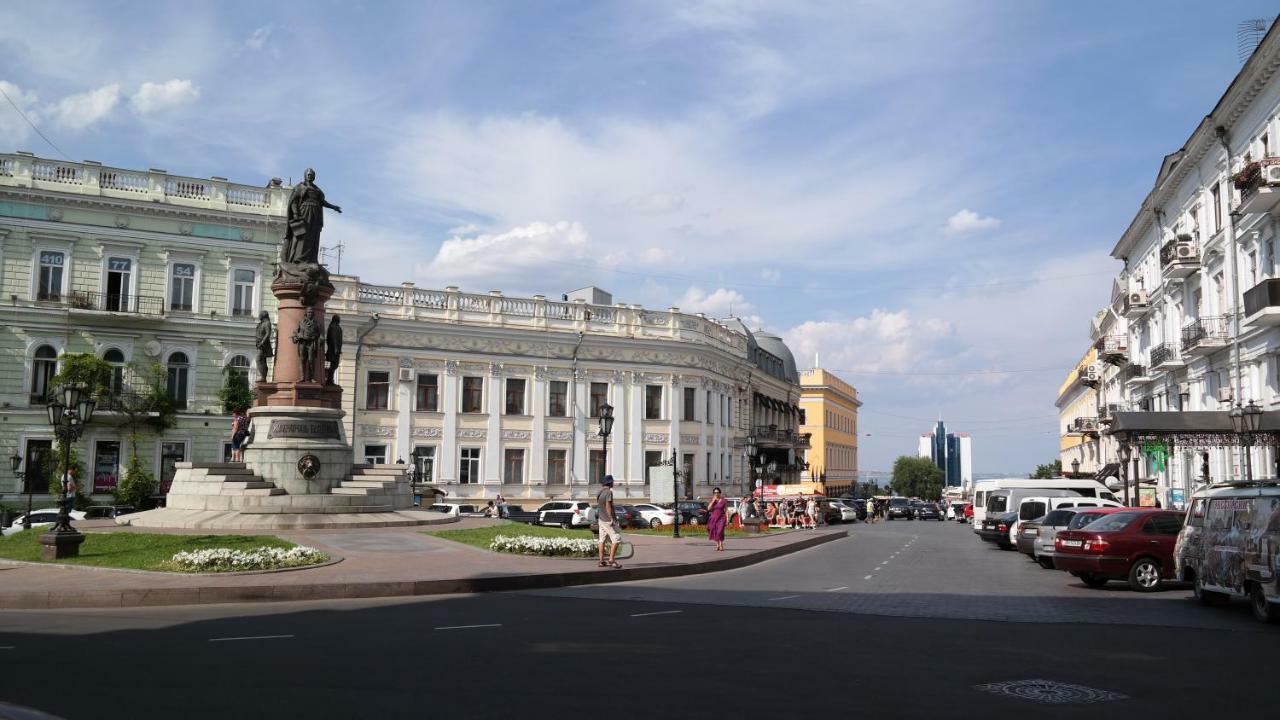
672 404
404 416
447 463
493 432
617 440
581 473
635 430
537 463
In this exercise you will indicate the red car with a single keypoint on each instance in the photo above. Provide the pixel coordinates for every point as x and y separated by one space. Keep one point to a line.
968 512
1134 544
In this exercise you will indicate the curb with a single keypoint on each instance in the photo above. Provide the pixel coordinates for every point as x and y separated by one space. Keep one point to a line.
144 597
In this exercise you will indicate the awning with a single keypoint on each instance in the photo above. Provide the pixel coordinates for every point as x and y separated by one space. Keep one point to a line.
1108 470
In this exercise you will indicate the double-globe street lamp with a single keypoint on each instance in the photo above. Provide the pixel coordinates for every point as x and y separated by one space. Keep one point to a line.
1245 421
15 464
606 429
68 415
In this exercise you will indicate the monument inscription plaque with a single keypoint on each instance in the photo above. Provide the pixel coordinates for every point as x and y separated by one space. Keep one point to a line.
304 429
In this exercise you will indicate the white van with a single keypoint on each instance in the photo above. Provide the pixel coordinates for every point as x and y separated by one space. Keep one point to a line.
983 489
1230 547
1040 505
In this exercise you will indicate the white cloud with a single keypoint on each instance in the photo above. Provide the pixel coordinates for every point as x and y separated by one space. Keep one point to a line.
884 341
81 110
720 303
538 256
259 38
161 96
467 229
967 221
13 129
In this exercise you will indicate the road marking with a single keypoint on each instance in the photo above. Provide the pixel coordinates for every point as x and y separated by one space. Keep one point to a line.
867 577
251 637
878 568
663 612
842 587
784 597
8 647
468 627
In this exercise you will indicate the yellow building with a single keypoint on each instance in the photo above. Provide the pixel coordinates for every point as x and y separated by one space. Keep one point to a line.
1078 417
830 408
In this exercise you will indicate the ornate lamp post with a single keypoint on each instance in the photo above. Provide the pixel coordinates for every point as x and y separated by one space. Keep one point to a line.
606 429
1124 452
15 464
1075 467
68 415
1245 422
752 449
676 474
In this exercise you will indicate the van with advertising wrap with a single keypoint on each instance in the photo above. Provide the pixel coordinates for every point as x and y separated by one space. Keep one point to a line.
1229 546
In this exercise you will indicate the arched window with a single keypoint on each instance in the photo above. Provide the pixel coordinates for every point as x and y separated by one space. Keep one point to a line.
115 359
179 378
239 365
44 365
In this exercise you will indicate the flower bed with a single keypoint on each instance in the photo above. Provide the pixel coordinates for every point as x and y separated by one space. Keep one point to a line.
263 558
549 546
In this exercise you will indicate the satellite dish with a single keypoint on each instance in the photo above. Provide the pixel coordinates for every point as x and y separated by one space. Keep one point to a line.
152 349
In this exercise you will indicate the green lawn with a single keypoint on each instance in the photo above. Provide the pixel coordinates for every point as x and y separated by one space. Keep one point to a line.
481 537
136 551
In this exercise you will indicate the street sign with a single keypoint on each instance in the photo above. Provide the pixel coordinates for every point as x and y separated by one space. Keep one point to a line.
662 484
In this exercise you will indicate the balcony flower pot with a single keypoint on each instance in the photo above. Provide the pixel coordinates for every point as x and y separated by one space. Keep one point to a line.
1248 177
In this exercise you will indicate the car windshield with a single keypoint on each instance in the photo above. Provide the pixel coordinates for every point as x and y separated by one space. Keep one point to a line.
997 503
1058 518
1112 522
899 502
1082 519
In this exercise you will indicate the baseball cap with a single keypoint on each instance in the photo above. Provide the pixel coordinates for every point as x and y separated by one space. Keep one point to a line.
608 480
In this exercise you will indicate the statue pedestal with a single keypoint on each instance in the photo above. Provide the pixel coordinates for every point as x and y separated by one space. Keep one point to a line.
283 435
288 389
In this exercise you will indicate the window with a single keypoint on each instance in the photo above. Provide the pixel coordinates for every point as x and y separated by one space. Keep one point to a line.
707 478
179 379
706 411
1163 525
424 463
239 366
686 466
652 402
1216 193
242 284
556 470
37 466
182 286
119 272
377 390
469 465
44 365
652 458
515 396
472 394
597 466
115 359
690 409
428 393
171 453
375 454
106 465
513 466
558 398
599 397
49 286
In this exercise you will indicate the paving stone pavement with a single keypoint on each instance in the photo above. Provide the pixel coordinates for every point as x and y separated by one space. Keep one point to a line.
925 569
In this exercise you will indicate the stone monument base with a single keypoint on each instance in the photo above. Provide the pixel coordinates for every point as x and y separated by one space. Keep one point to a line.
282 436
301 394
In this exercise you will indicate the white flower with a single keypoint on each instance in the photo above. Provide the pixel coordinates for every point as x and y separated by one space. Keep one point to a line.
263 558
552 546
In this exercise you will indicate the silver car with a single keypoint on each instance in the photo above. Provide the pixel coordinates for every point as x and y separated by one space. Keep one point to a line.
1072 518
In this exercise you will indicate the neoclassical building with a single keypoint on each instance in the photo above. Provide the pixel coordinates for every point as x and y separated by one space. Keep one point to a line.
486 394
136 267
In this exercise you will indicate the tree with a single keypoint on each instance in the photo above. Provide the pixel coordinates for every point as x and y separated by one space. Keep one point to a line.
1044 472
917 477
235 393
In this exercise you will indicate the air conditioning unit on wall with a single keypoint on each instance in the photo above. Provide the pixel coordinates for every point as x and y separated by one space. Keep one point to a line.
1092 373
1224 395
1271 174
1186 251
406 374
1138 297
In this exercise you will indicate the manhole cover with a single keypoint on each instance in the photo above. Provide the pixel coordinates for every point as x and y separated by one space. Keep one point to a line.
1050 692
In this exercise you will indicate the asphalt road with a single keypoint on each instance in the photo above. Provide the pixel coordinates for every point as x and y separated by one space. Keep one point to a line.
898 620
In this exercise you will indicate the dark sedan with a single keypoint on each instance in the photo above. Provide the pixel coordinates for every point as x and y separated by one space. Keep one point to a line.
1029 535
995 528
628 517
692 513
929 511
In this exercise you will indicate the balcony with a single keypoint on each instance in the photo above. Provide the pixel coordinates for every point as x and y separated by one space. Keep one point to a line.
1133 375
1262 304
773 436
1089 375
1206 335
115 302
1259 186
1165 355
1136 304
1180 257
1113 349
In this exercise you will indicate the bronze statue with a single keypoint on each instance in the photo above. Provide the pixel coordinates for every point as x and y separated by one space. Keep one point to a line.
307 336
304 221
264 344
332 349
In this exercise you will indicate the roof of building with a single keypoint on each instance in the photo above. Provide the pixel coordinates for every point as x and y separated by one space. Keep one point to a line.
773 344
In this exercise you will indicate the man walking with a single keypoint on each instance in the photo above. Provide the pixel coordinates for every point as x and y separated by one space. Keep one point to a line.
608 526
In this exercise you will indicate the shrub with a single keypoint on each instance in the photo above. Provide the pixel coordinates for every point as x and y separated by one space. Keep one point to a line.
137 486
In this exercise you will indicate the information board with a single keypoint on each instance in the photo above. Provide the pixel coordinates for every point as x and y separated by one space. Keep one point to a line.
662 484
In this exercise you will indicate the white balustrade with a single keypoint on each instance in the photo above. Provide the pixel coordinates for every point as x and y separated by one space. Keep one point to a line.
190 189
473 303
244 195
559 311
517 306
123 180
433 299
58 173
381 295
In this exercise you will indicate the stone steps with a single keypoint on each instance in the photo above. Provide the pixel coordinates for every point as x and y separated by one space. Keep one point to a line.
246 485
287 510
377 484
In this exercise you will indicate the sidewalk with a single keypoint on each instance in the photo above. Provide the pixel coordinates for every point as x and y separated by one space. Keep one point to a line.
386 562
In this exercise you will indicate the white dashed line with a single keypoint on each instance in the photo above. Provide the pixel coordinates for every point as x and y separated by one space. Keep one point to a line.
663 612
8 647
867 577
784 597
837 589
878 568
251 637
468 627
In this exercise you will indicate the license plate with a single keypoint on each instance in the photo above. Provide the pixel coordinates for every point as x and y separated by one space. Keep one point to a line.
1072 543
1029 533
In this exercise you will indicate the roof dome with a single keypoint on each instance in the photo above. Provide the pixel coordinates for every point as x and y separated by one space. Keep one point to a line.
773 344
734 323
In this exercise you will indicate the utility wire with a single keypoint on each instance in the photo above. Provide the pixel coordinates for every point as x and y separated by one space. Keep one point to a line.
23 115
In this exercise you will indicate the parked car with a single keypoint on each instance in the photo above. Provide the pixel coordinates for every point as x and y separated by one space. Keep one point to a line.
929 511
39 518
995 528
628 517
565 513
1132 544
1065 518
899 507
106 512
843 512
1028 531
692 512
456 510
654 515
955 511
1229 546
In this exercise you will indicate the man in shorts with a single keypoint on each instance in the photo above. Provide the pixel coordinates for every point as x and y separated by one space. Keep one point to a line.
607 522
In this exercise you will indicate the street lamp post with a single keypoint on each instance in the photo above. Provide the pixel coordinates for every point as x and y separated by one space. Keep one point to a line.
68 416
752 449
1075 467
1124 451
1245 421
676 474
606 429
15 464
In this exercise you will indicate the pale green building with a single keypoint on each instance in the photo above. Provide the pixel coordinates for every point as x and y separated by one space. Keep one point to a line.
136 267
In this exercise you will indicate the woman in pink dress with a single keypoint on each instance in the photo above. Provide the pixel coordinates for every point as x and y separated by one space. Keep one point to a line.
717 519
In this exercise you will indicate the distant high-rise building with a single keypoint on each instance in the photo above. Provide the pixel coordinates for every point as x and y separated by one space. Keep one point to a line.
952 453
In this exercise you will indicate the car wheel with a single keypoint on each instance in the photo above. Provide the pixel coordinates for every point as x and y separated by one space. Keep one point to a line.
566 525
1046 563
1144 576
1205 597
655 523
1263 611
1093 581
693 521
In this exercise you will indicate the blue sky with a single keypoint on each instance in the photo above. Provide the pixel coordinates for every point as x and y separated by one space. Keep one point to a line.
923 193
